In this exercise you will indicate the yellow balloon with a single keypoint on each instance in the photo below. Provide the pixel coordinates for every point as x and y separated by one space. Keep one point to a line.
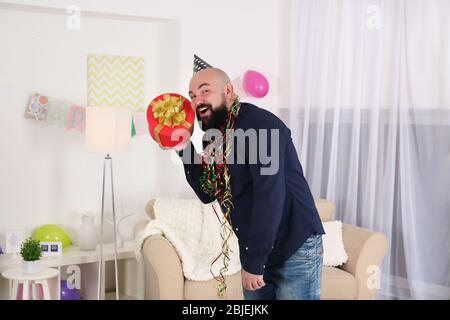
52 232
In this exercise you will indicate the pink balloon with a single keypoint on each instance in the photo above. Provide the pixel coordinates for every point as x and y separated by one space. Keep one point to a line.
255 84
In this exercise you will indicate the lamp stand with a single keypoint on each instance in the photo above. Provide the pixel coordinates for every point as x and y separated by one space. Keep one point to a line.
100 264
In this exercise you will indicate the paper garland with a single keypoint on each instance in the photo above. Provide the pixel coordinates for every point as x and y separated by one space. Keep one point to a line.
71 116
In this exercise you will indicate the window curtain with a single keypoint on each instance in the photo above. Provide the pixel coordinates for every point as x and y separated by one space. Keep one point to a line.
369 112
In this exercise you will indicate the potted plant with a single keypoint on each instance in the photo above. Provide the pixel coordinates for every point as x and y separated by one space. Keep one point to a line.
30 251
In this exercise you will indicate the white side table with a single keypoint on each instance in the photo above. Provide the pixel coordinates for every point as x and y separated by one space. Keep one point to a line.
131 271
16 277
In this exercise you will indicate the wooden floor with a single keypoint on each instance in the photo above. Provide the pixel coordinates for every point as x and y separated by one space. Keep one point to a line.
112 296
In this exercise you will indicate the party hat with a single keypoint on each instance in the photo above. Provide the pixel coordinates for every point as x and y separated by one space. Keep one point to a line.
200 64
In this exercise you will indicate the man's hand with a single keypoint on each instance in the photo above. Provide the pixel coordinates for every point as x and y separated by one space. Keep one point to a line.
252 282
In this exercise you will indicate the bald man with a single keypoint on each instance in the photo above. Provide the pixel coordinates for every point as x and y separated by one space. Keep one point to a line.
274 215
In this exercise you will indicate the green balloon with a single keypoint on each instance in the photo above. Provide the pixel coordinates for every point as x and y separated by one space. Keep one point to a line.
52 232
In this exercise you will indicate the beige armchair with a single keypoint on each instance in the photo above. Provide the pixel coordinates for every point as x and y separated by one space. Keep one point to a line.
164 279
164 276
365 248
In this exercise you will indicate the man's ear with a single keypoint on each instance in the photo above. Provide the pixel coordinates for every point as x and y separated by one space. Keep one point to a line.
229 92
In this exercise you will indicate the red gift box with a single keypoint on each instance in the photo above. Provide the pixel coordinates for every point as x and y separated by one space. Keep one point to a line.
170 119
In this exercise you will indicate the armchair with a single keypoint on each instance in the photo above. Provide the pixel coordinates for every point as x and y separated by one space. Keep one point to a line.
164 279
365 248
164 276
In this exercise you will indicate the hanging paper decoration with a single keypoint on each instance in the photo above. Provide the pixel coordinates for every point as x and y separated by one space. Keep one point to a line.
68 115
116 81
140 123
133 128
37 108
58 112
112 81
55 112
77 118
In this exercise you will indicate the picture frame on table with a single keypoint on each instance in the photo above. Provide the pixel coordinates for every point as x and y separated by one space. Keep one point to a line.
14 239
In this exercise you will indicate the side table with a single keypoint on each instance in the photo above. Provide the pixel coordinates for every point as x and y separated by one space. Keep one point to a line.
17 277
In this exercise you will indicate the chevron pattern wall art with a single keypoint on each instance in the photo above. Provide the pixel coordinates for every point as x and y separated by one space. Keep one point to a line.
116 81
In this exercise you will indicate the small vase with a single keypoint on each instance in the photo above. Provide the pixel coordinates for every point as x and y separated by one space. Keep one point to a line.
87 234
30 267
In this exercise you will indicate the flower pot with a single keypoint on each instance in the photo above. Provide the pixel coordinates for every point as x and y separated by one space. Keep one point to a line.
30 267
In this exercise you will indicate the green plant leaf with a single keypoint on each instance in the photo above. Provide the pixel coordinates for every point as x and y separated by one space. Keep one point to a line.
30 250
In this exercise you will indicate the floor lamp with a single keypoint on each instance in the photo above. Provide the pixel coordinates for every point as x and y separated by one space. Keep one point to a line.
108 130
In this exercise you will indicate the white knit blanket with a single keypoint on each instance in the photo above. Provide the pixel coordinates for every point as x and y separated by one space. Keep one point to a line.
194 230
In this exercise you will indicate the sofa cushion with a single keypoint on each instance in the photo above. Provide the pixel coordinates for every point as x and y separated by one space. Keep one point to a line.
205 290
334 253
338 284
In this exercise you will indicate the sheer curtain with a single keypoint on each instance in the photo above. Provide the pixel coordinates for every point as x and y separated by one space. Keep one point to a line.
369 112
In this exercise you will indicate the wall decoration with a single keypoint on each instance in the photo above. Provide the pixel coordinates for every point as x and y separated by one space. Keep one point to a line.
116 81
55 112
112 81
68 115
37 107
77 116
140 123
58 112
133 128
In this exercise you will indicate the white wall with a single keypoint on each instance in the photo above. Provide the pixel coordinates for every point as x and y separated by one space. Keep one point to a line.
47 176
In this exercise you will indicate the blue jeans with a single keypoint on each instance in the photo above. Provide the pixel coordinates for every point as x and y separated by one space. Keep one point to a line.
299 278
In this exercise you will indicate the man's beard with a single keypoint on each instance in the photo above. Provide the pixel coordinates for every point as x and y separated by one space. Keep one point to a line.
217 117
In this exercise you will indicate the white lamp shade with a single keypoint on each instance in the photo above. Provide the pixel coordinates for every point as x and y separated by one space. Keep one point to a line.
108 129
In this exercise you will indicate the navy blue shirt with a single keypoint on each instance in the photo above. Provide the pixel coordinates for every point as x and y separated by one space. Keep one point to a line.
274 212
